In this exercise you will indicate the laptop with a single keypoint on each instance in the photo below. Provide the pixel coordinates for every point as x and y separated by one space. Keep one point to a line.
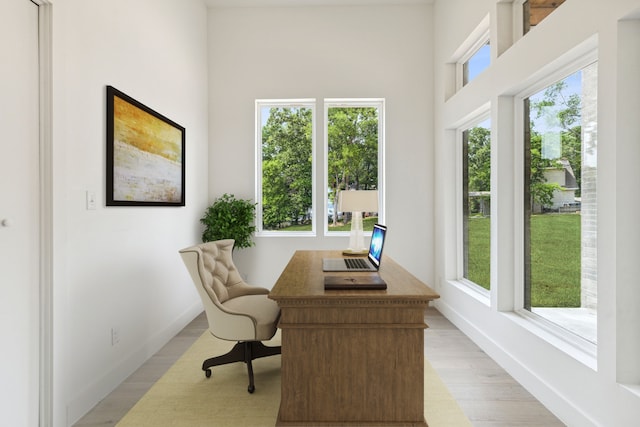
371 263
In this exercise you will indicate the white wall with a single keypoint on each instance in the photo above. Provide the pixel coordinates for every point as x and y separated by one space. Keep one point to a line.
118 267
326 52
581 390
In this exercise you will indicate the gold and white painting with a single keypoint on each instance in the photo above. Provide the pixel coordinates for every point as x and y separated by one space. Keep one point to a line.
145 155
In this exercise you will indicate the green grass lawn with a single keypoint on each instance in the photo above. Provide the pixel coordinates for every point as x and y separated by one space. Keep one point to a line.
367 225
479 251
555 258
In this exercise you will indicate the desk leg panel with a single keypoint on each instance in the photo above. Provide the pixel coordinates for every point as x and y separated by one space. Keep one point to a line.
357 375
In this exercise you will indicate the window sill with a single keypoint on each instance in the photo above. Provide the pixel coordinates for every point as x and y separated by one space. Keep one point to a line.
575 346
473 290
632 388
285 234
582 322
568 342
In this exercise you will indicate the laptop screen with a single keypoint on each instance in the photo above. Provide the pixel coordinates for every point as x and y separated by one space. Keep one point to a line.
377 243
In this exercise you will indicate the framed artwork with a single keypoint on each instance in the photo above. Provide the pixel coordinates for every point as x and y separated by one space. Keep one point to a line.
145 155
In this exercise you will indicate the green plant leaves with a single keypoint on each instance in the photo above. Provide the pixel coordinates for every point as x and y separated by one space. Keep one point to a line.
230 218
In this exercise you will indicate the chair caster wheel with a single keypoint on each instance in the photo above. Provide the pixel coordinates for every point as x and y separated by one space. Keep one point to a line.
207 373
251 389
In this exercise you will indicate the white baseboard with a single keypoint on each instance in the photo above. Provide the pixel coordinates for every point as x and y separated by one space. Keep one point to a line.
105 383
560 405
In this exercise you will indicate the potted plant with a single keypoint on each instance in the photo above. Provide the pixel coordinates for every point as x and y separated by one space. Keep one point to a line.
230 218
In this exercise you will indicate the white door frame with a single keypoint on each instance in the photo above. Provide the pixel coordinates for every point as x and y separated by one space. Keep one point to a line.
45 309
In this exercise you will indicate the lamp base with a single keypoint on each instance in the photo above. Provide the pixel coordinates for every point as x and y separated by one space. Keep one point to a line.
354 252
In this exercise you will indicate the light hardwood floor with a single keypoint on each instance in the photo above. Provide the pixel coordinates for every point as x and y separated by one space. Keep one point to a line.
485 392
488 395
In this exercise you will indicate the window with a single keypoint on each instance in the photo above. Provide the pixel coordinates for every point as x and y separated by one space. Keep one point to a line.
472 57
285 168
354 146
476 203
560 215
477 63
535 11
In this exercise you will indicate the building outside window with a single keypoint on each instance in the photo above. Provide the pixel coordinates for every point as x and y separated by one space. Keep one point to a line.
560 192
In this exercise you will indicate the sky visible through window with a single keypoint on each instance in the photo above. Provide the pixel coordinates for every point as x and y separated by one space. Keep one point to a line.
479 61
550 122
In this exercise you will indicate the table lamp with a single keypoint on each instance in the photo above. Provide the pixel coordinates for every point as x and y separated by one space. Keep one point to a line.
356 202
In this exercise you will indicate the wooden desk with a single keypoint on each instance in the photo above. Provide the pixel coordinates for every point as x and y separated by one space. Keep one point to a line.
351 357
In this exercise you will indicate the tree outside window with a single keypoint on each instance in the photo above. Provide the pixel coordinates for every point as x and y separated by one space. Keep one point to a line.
476 203
353 152
286 166
560 202
286 161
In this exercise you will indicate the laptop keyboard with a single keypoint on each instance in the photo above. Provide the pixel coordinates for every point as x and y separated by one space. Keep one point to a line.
356 263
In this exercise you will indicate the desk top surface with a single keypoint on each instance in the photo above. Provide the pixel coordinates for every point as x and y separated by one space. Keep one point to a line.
303 278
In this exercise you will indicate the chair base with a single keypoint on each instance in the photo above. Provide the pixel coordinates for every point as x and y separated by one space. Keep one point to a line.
243 351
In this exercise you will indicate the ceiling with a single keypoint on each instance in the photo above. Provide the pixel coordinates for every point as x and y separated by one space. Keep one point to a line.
270 3
539 9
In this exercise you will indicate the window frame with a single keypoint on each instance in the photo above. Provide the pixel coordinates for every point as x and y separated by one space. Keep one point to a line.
476 40
477 118
310 103
519 25
552 330
475 49
378 103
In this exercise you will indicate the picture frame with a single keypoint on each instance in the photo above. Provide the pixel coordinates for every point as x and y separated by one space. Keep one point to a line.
145 155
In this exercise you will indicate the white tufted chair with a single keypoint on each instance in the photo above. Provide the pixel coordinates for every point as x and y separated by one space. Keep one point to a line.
235 310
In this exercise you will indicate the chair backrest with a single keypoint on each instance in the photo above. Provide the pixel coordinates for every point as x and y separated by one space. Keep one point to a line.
216 270
217 280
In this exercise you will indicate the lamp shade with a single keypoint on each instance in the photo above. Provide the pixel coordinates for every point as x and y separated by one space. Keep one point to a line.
358 201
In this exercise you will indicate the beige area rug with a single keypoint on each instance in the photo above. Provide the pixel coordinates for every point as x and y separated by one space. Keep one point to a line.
184 397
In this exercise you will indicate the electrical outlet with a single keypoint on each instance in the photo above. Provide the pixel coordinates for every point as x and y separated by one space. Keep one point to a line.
115 336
